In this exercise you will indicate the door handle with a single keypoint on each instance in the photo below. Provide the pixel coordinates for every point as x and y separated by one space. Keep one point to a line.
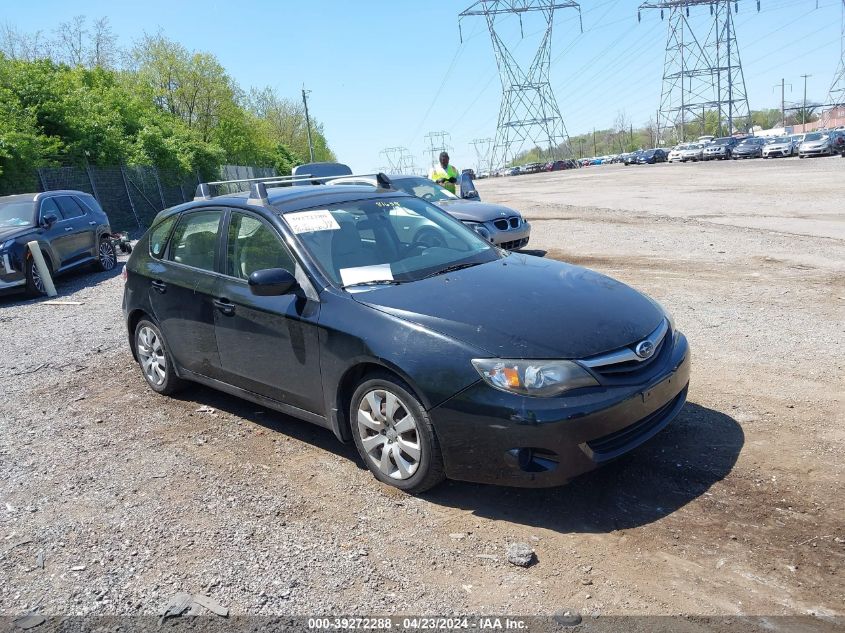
92 223
68 229
159 285
225 306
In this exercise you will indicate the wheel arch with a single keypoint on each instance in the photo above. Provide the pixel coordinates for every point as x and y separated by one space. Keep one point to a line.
132 321
351 378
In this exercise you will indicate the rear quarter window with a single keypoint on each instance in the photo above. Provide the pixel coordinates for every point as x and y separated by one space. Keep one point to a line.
159 235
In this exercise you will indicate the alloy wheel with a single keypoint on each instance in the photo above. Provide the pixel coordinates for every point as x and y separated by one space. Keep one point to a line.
37 281
107 255
389 434
151 355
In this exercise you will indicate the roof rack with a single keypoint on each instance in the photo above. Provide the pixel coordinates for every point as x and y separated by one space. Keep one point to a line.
258 186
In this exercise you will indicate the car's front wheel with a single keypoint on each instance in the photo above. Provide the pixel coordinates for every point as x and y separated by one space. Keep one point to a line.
154 359
394 435
34 283
106 255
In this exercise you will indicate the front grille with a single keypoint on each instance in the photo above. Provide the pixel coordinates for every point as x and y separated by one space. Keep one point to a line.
503 224
623 365
632 368
514 244
619 441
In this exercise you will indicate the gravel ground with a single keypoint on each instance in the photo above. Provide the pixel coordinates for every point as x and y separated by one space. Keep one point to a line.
737 508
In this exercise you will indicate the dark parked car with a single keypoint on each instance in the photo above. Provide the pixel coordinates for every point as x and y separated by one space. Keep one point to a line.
720 148
752 147
633 158
70 227
652 156
308 300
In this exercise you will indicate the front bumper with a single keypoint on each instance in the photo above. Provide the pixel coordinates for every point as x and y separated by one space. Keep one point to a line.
489 436
9 277
721 153
780 152
510 238
815 151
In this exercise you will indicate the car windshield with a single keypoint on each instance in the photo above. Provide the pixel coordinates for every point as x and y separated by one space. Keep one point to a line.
386 241
18 213
423 188
814 137
722 141
780 139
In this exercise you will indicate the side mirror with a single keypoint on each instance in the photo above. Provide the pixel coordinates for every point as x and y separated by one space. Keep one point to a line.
472 194
271 282
49 220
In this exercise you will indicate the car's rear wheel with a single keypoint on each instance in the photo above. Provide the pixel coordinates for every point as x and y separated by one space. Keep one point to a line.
394 435
106 255
156 363
34 283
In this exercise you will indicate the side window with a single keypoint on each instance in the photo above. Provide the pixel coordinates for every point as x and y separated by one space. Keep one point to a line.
194 240
252 246
158 237
70 208
49 207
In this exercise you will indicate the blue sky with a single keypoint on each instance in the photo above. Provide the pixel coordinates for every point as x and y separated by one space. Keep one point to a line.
385 73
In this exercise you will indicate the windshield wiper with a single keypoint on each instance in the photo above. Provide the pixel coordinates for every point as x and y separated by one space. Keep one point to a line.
374 282
452 268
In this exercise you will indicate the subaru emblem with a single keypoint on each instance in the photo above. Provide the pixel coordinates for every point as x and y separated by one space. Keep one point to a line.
644 349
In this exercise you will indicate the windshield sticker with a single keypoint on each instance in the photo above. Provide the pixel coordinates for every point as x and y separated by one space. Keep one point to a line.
311 221
388 204
363 274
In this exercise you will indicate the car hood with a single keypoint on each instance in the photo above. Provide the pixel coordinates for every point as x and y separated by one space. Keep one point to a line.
475 211
746 148
524 307
8 232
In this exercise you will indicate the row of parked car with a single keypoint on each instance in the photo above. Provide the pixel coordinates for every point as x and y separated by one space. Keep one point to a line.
530 168
821 143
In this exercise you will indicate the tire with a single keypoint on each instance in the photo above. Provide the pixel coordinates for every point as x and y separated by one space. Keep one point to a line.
34 284
160 373
408 459
106 255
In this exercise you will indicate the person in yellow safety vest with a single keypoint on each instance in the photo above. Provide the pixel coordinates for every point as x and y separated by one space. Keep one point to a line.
444 174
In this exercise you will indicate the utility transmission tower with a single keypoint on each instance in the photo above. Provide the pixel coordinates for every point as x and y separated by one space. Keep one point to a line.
836 94
483 147
702 71
529 116
437 142
399 160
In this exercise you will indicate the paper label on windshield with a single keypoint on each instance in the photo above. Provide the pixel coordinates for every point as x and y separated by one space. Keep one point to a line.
363 274
310 221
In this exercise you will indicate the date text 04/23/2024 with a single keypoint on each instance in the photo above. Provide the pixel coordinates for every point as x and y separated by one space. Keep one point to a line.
489 623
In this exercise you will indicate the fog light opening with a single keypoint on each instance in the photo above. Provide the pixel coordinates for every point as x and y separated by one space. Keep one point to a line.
532 460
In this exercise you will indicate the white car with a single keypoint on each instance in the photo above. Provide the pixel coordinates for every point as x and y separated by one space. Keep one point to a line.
693 152
675 154
780 146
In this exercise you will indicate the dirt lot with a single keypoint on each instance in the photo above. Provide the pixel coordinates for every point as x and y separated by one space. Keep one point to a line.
737 508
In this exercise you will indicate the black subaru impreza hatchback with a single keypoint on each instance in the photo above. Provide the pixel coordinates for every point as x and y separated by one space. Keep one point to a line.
458 360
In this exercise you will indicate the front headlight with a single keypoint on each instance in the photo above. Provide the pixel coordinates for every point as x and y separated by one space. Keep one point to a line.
479 228
6 245
538 378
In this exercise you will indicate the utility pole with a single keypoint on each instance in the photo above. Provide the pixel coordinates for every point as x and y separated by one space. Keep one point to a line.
595 151
804 109
783 100
305 94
